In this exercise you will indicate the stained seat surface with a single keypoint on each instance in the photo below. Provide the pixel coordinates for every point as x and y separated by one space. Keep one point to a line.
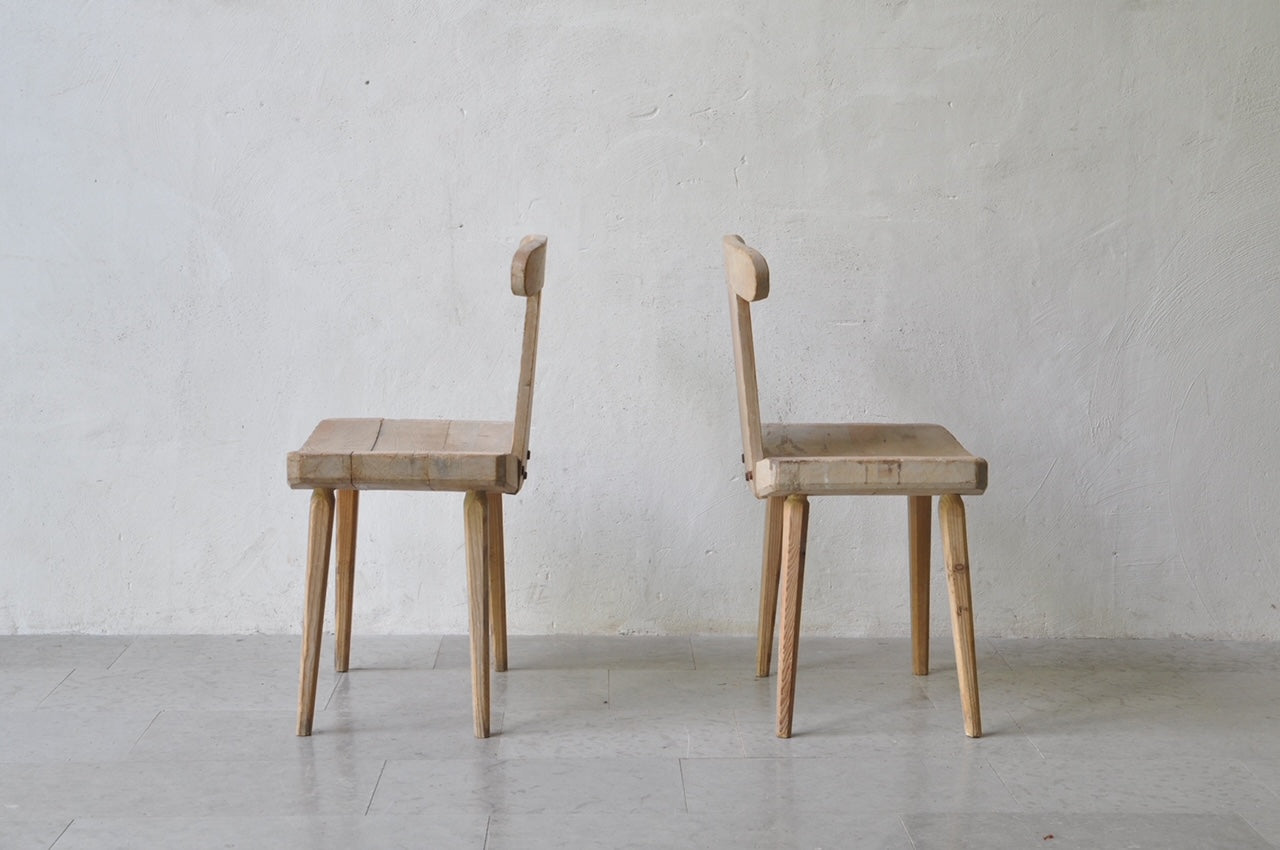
407 454
865 458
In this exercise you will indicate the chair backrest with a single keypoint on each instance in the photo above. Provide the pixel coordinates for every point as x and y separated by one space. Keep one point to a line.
747 274
527 268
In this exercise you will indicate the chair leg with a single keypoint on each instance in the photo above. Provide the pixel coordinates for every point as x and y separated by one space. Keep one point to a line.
795 528
476 511
955 544
497 584
348 515
919 520
769 574
319 539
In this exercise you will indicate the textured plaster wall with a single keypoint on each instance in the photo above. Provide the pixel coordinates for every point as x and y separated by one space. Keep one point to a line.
1050 226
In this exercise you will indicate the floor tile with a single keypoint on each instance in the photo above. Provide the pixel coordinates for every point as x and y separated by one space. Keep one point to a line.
181 736
1265 821
404 690
870 783
20 832
637 742
69 651
158 789
887 655
835 699
683 691
260 652
574 652
394 652
1015 831
51 736
1147 655
563 690
1072 712
274 653
692 831
26 687
1125 784
530 785
386 832
616 734
930 732
202 687
450 690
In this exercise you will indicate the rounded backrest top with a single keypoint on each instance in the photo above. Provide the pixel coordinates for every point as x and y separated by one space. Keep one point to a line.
746 269
528 265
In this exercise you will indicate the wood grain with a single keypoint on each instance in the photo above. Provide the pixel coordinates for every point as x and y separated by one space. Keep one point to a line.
862 459
919 528
745 269
475 508
770 571
955 546
497 584
319 539
748 392
524 390
795 530
348 516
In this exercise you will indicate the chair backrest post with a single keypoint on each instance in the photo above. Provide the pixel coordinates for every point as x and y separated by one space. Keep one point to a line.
527 272
747 274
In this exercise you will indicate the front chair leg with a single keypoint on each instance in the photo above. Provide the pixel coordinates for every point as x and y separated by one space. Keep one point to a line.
497 584
319 538
955 545
475 508
795 528
348 514
918 532
770 570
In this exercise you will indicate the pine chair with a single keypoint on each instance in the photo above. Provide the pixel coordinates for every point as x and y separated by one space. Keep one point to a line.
788 463
482 459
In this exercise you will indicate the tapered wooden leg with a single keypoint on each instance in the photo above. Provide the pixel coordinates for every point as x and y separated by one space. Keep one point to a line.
497 584
919 520
476 510
769 574
795 528
348 514
319 539
955 545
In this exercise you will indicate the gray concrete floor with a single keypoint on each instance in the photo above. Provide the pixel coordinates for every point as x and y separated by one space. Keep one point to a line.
637 742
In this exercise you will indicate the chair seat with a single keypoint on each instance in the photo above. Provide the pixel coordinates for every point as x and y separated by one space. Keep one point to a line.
865 459
407 454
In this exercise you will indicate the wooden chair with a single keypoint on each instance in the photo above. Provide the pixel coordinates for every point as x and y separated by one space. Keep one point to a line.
482 459
788 463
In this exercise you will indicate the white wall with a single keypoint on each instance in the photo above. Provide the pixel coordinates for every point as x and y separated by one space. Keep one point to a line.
1050 226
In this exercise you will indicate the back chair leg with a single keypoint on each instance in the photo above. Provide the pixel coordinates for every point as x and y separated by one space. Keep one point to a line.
348 513
919 521
497 584
319 539
955 544
795 529
769 574
476 511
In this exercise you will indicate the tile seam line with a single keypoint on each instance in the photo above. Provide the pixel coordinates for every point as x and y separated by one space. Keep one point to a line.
54 845
377 782
54 689
144 732
684 791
